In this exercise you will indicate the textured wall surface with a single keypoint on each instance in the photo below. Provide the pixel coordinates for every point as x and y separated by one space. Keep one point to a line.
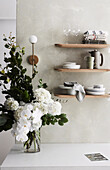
6 139
88 121
7 9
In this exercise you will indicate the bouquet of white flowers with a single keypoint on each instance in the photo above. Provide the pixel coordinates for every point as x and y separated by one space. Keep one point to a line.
25 110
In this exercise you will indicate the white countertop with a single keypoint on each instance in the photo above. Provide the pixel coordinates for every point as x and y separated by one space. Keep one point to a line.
58 157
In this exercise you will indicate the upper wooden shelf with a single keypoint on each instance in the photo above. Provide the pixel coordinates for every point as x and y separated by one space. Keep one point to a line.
82 70
87 96
82 45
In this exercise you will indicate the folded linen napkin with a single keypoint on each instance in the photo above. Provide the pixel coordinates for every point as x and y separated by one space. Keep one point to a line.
80 92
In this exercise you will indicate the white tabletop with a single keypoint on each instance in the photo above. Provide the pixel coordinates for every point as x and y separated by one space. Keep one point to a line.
58 157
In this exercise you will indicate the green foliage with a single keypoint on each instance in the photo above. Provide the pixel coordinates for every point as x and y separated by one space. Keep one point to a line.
14 74
21 88
42 85
6 120
50 119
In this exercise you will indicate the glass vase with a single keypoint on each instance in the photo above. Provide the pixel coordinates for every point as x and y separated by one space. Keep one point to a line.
32 145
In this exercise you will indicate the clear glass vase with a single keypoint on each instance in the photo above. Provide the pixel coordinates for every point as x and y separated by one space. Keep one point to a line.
32 145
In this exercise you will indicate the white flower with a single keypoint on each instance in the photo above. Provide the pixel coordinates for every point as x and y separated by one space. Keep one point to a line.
42 95
11 104
41 106
22 137
36 121
24 125
29 106
23 111
36 115
20 131
17 114
26 114
37 125
54 108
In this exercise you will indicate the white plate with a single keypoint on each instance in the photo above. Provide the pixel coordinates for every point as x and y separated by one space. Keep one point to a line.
91 89
95 93
72 67
65 63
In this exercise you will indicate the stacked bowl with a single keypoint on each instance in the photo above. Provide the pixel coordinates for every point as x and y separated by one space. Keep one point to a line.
71 65
95 90
66 90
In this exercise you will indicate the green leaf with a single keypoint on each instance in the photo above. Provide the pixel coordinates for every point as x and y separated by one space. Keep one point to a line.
64 120
25 96
5 39
7 46
13 49
62 115
60 123
45 86
3 120
13 38
7 60
8 124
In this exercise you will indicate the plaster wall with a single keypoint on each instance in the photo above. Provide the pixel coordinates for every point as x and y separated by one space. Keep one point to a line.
7 9
89 121
7 25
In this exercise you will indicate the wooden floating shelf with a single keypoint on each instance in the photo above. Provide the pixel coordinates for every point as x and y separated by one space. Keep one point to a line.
82 45
87 96
82 70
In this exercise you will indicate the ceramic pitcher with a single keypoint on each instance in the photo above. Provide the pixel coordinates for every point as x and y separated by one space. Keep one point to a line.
98 58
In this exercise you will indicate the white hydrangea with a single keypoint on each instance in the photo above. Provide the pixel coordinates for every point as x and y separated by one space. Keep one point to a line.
11 104
42 95
54 108
43 107
17 113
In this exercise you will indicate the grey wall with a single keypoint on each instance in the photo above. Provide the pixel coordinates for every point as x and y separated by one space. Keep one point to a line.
7 25
88 121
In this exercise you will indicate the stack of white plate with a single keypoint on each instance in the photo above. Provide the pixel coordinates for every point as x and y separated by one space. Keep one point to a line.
66 90
71 65
95 90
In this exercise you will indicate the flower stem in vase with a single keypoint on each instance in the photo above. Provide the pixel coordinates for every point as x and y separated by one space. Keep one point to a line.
32 144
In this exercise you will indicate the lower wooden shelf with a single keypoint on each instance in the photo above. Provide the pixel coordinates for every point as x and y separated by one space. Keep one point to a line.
87 96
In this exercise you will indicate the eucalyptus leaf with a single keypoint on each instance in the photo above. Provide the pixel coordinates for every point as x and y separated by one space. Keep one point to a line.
3 120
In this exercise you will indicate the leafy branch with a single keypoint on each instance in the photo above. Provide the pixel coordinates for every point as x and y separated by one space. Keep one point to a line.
42 85
50 119
21 88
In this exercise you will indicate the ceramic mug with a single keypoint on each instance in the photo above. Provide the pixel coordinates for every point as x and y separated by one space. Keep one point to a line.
89 62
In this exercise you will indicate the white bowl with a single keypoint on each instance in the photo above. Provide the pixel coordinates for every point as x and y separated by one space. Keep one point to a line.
66 90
